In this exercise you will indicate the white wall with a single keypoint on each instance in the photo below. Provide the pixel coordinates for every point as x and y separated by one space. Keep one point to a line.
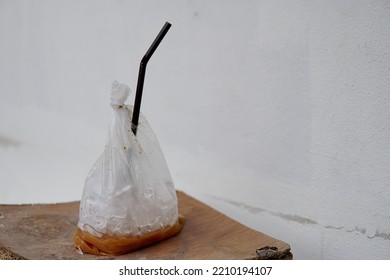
276 113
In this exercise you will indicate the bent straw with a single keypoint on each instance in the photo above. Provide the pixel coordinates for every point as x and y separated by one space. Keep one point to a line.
141 75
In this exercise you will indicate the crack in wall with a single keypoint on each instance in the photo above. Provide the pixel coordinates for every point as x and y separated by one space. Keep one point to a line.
8 142
302 220
256 210
379 234
295 218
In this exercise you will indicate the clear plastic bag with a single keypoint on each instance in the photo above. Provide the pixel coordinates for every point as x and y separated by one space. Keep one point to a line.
129 199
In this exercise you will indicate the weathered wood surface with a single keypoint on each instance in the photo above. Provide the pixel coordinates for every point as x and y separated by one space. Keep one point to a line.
45 231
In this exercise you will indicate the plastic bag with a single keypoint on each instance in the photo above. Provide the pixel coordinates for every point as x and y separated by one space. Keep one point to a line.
129 199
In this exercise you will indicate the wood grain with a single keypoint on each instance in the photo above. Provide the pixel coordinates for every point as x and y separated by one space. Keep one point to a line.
45 231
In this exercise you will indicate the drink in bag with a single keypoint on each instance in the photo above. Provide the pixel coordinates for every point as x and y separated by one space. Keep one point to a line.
129 199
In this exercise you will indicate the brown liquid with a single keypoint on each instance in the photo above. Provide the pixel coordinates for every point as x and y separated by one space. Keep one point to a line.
118 245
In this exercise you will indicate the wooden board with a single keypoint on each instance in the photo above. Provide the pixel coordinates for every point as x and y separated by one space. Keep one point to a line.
45 231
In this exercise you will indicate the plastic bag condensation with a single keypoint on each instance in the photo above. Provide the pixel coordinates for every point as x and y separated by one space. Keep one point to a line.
129 190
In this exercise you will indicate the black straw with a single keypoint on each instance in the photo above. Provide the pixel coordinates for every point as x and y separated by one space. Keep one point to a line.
141 75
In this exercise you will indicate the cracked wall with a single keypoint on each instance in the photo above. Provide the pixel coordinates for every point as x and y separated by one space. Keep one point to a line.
275 112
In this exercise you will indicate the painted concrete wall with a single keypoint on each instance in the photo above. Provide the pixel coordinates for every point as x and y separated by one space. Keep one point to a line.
276 113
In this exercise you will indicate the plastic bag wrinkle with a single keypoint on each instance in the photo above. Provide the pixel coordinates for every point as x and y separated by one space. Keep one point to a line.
129 190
